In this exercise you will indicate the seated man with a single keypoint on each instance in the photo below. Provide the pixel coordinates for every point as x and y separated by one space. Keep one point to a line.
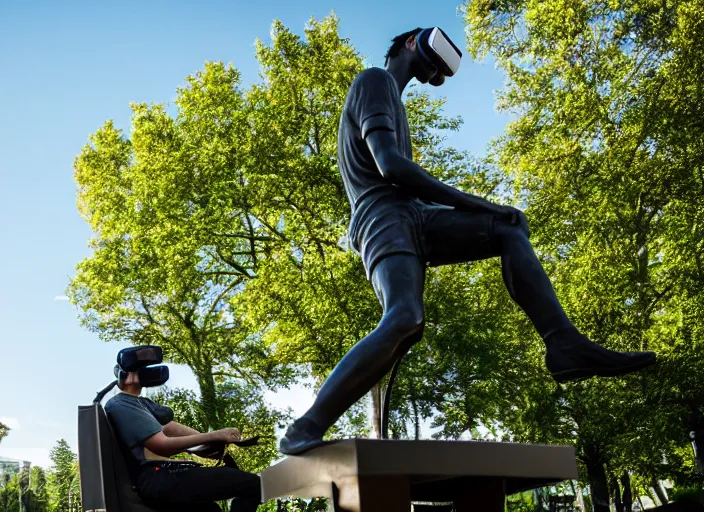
148 435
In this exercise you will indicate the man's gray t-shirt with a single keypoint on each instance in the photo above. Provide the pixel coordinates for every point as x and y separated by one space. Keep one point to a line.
135 419
373 98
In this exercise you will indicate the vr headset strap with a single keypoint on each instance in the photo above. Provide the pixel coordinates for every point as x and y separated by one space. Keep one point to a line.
419 46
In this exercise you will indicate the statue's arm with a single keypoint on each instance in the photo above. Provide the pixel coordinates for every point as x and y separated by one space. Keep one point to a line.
408 175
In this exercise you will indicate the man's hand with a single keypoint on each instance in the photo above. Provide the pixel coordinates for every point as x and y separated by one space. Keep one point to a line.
227 435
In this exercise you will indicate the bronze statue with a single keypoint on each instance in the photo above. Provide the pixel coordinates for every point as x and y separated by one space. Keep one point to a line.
404 219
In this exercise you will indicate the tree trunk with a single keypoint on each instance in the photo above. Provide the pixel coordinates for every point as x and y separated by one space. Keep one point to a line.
598 485
376 409
416 418
659 492
208 399
616 492
627 495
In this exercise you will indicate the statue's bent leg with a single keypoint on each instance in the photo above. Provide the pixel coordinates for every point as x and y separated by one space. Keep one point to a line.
526 281
453 236
398 280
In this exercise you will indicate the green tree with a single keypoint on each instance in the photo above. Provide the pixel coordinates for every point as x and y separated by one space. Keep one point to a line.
37 498
61 487
606 153
75 504
24 491
184 216
10 494
4 430
165 227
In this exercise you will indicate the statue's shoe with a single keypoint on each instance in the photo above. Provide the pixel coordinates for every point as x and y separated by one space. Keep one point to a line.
300 437
580 358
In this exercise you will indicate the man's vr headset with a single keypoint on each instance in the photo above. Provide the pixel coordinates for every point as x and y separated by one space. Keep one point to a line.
439 51
139 360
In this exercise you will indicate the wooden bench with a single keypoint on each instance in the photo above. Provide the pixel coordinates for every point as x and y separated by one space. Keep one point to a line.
369 475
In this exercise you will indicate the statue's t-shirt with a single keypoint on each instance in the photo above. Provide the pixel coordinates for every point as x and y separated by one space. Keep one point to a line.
134 420
373 102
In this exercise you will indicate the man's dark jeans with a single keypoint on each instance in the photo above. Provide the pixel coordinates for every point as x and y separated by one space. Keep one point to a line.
179 486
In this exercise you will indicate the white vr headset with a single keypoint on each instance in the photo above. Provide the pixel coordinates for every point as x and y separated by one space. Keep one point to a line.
439 50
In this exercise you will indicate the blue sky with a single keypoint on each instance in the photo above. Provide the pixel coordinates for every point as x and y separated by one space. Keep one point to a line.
65 68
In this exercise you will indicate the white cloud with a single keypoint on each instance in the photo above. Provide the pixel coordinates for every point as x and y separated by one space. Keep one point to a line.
13 423
60 297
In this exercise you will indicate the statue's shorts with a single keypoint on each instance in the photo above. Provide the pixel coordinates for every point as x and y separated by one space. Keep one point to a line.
436 235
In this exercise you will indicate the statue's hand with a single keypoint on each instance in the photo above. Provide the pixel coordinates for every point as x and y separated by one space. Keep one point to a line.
517 218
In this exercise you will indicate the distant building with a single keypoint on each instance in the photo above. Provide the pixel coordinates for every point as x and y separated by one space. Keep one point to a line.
10 467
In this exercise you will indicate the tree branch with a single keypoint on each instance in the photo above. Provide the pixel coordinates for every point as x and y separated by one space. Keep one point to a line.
239 375
242 270
220 296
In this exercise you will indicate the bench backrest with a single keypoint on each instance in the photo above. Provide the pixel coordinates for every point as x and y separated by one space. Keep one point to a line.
105 480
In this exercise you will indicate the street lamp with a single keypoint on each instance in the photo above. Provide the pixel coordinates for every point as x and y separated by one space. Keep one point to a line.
696 438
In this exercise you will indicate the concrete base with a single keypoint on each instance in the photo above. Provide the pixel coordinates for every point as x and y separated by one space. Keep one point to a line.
370 475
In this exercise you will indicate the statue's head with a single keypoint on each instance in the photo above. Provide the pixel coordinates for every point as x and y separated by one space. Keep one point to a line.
429 53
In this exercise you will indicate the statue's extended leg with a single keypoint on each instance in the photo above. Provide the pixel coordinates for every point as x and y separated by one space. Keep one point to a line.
398 280
453 236
570 355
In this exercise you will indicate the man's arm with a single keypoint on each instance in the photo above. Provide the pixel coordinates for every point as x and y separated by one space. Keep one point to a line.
165 446
174 429
412 177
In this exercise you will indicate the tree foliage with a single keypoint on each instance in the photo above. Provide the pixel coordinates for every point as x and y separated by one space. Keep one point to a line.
606 152
62 484
10 493
4 430
37 497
